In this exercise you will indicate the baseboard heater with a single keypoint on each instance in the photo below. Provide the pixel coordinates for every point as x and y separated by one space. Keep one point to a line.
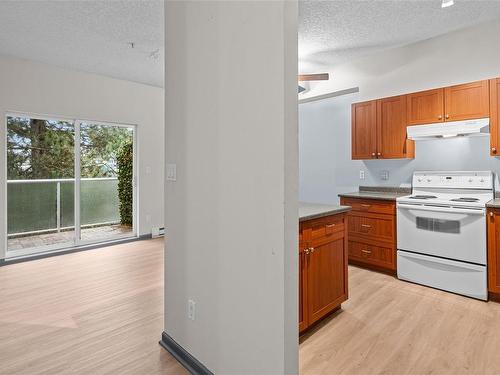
157 232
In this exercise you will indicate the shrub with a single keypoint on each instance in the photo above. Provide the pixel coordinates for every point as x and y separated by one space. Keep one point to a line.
125 187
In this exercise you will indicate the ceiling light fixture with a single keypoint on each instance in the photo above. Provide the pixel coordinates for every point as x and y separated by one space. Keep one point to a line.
447 3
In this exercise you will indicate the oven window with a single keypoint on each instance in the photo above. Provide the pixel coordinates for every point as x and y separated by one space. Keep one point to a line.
438 225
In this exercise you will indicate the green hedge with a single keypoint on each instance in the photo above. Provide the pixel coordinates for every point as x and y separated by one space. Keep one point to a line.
125 188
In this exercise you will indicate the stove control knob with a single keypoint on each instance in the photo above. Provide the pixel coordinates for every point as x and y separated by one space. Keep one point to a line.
471 180
482 180
419 180
429 180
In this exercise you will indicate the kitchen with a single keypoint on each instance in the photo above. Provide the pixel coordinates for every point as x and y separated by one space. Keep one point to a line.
407 138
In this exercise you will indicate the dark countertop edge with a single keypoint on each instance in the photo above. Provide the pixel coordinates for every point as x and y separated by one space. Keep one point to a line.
494 203
385 196
329 212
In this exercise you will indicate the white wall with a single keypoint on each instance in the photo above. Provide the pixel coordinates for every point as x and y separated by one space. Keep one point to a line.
326 168
231 216
30 87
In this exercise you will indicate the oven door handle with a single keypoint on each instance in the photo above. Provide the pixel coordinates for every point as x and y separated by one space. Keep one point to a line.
471 211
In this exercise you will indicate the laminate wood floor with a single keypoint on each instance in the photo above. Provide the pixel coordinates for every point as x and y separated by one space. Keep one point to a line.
94 312
101 312
392 327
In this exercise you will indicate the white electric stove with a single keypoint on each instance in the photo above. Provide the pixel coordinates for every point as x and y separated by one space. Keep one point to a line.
441 231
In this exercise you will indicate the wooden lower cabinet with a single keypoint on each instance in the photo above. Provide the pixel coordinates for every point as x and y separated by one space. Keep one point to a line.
322 268
380 256
493 225
302 282
372 233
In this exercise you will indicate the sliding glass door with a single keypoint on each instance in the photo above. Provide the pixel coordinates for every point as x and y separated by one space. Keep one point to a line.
40 183
106 181
69 183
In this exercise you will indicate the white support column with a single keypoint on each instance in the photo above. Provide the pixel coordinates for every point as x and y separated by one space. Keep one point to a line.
231 210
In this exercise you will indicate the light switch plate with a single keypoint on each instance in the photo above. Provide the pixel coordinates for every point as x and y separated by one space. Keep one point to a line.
171 172
361 174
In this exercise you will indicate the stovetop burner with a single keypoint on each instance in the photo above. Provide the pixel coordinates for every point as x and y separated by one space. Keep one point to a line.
470 200
423 197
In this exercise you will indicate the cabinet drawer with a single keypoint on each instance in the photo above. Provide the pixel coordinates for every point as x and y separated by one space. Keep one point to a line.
379 228
323 227
370 205
372 254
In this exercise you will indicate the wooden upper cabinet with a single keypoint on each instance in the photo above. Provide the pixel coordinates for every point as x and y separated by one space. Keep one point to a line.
494 117
364 130
379 126
392 142
425 107
467 101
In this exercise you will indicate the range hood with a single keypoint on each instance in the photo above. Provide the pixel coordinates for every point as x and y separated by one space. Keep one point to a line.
449 129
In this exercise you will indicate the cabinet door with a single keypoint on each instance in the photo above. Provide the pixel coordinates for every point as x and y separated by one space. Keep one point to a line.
326 277
425 107
494 251
392 142
468 101
302 292
364 130
494 117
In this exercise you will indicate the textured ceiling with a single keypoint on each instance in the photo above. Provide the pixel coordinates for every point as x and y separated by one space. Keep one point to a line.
332 32
88 35
93 36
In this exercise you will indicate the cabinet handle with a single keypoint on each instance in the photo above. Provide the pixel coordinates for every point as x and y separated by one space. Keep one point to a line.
379 154
306 251
491 214
330 225
366 225
311 249
440 117
494 150
366 251
373 154
447 117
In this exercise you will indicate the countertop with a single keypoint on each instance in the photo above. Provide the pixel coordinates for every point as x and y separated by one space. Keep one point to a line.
308 211
494 203
385 195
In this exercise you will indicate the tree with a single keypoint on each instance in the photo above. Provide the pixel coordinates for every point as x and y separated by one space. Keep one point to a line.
44 149
39 149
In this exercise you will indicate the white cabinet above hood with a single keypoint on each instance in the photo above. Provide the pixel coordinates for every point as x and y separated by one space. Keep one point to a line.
449 129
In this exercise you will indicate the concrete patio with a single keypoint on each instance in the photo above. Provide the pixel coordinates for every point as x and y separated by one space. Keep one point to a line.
54 238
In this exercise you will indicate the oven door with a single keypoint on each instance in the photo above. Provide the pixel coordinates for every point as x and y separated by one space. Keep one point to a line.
447 232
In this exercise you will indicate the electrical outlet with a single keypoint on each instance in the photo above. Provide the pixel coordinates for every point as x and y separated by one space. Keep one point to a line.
361 175
384 175
191 309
